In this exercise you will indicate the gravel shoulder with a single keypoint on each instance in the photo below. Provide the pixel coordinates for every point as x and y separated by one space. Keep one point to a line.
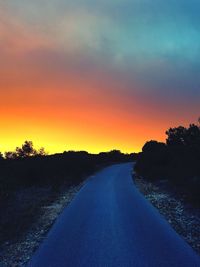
17 252
183 217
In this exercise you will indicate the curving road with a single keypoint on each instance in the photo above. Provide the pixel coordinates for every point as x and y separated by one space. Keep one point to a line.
109 223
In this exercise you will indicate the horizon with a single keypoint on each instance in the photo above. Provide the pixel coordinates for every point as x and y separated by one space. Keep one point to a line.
67 151
52 152
97 76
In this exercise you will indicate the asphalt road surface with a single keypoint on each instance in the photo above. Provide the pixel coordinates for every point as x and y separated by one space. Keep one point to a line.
109 223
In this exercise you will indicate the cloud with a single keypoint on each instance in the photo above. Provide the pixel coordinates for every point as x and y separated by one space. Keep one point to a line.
153 45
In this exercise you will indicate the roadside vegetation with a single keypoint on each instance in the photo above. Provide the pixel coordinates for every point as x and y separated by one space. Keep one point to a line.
176 161
31 179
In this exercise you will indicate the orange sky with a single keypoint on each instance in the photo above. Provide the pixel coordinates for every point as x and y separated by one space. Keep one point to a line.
73 81
77 118
68 110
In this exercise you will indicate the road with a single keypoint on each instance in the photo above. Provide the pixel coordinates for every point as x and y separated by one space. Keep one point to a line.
109 223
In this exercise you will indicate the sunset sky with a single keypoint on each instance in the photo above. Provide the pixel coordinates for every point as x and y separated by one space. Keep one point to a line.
97 75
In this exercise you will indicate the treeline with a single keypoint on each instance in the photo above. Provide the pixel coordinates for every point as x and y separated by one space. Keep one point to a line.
177 160
27 167
46 177
26 150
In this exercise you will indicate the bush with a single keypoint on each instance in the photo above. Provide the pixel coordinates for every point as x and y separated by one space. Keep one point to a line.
53 170
178 160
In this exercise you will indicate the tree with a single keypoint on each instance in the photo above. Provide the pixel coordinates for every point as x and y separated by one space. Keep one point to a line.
153 146
26 150
1 156
182 136
42 152
176 136
11 155
193 135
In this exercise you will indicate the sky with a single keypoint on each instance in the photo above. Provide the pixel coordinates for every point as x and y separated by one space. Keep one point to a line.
97 75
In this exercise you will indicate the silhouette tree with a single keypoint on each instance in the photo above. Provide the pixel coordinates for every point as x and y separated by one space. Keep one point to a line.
26 150
182 136
176 136
193 135
42 152
11 155
1 156
177 162
153 146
